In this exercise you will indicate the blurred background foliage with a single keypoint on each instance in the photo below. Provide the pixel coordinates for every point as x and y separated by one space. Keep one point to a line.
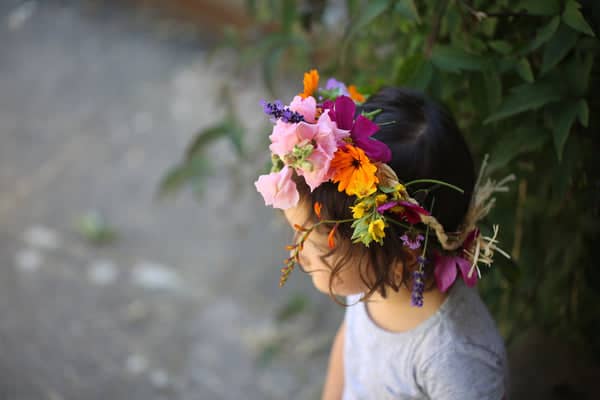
517 74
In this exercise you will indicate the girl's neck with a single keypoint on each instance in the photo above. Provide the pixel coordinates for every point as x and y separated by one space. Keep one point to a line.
395 312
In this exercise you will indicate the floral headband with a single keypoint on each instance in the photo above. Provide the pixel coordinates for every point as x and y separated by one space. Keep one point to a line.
319 137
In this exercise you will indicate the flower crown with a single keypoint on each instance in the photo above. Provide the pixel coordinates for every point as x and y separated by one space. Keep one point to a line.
319 137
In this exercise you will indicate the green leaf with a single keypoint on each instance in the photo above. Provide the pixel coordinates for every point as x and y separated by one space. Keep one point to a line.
543 35
288 15
173 180
572 17
524 139
493 87
414 71
577 72
371 10
236 136
524 70
453 59
292 308
561 127
407 9
205 137
558 47
525 97
500 46
583 112
540 7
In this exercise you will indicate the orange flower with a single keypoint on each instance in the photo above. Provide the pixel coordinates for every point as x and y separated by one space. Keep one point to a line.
311 83
317 208
354 171
355 94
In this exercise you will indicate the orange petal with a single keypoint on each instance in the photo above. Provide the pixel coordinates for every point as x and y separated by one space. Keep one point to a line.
355 94
300 228
317 207
331 237
311 83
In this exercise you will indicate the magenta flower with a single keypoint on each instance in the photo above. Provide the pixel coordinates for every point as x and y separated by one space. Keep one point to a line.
410 212
361 129
446 270
278 189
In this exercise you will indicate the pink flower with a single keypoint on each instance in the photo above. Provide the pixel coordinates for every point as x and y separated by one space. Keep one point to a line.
324 135
278 189
329 137
307 107
285 136
320 172
445 271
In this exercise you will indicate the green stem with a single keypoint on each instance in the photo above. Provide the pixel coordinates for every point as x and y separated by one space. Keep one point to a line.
436 182
427 231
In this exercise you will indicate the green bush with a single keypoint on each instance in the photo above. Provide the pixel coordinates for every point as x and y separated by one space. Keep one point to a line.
517 75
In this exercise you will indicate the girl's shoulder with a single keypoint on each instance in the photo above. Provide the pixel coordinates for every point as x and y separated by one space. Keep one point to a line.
465 326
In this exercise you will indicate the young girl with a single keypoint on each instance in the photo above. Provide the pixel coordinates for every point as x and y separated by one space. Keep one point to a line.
383 196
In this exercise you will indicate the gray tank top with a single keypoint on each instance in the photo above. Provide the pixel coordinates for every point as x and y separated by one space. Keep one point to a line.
456 354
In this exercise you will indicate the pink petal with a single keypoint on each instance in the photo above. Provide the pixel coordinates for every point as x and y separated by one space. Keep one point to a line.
445 272
328 135
307 107
465 266
278 189
320 173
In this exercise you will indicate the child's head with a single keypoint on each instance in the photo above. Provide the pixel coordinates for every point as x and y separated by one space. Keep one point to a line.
380 192
425 143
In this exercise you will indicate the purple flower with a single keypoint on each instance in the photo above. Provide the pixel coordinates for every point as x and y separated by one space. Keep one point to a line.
276 110
333 83
418 284
412 243
361 129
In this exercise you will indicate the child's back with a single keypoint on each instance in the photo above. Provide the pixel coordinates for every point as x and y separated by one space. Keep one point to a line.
437 359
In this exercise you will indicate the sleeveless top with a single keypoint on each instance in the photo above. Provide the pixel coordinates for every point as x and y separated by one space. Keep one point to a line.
456 354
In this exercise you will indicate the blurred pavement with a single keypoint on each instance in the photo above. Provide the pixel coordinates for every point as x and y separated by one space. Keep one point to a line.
95 105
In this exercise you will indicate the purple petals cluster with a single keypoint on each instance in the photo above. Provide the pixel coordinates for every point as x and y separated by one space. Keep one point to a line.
412 243
361 129
418 284
276 110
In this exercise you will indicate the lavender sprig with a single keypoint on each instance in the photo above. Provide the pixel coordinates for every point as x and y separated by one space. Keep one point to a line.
418 286
413 243
276 110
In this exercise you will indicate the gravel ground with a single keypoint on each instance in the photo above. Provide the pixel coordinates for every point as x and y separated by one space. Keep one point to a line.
96 103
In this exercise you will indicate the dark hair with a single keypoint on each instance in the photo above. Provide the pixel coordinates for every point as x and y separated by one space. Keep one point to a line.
426 143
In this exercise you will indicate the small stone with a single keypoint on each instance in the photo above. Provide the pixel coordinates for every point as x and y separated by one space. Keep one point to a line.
159 378
42 237
136 364
28 260
17 17
151 275
102 272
